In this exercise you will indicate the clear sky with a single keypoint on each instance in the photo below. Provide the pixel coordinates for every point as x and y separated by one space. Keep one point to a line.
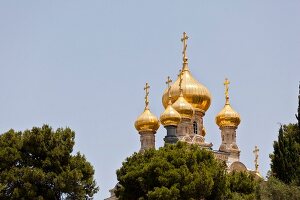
83 64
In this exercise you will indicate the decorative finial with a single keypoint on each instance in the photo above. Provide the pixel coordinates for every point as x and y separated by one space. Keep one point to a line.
146 88
226 84
178 75
256 150
180 81
184 41
169 89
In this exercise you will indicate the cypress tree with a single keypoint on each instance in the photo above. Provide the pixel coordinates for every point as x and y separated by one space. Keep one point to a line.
285 160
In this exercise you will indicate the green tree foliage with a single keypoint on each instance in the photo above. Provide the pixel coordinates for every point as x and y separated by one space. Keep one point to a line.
180 171
38 164
274 189
242 185
285 160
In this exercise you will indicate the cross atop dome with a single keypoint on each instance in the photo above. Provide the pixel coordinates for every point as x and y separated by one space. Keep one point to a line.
146 88
184 41
180 81
256 150
226 84
168 82
169 88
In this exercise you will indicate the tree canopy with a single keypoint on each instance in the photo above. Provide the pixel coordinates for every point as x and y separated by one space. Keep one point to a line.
274 189
285 160
242 185
180 171
38 164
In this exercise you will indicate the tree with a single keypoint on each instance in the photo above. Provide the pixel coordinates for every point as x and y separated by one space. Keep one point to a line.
274 189
179 171
242 185
285 160
38 164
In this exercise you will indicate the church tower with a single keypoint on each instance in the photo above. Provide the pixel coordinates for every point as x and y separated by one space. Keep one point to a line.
228 120
197 95
147 125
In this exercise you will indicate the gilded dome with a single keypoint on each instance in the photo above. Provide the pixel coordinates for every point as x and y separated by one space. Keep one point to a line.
170 117
147 122
227 116
194 92
184 108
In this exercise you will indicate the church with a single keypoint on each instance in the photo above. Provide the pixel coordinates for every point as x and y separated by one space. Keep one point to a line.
185 102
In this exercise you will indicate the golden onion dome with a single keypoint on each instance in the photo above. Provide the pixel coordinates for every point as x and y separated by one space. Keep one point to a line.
227 116
146 122
184 108
170 117
194 92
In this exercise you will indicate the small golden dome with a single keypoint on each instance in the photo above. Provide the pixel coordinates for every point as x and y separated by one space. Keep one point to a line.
147 122
184 108
227 116
170 117
194 92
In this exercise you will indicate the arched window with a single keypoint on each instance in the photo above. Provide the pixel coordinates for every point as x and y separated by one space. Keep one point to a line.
195 125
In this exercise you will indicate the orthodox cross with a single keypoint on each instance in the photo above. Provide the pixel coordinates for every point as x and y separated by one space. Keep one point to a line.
226 84
180 80
256 150
169 88
168 83
184 40
146 88
179 74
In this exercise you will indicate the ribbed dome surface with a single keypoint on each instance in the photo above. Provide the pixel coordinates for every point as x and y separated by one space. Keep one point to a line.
228 117
146 122
170 117
184 108
194 92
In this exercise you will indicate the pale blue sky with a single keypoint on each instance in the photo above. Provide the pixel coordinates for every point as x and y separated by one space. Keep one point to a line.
83 64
